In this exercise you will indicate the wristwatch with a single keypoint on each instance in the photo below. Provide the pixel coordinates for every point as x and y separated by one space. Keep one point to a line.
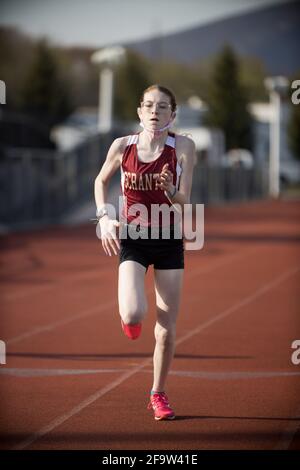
174 192
101 212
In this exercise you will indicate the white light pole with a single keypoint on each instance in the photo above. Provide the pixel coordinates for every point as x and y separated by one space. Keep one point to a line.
107 57
276 87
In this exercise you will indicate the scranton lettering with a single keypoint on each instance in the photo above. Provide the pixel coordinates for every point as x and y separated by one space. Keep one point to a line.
140 182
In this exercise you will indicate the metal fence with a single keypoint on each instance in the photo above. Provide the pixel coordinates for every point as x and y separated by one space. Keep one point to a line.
39 186
213 184
42 185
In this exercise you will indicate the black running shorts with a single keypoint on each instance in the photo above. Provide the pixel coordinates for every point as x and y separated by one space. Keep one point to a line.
162 253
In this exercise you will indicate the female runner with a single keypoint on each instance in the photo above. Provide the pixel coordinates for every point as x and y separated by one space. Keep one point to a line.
156 168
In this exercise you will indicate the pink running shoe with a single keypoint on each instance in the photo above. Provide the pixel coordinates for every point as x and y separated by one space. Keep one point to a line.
132 331
160 404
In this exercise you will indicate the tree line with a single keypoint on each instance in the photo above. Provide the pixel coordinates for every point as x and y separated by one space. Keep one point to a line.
48 83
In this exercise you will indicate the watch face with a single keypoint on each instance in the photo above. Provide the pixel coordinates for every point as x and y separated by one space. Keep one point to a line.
101 212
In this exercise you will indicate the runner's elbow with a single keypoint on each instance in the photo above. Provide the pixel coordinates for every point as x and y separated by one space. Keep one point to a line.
100 180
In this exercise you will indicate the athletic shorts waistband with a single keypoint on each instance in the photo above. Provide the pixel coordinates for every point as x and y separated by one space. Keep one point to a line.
135 231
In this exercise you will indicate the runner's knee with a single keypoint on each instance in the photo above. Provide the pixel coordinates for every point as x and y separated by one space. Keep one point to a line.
165 335
133 315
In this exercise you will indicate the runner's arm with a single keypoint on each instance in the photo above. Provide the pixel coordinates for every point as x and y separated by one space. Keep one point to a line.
187 154
109 167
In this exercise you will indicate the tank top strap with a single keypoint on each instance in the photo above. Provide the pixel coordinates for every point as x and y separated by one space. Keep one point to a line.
132 139
171 142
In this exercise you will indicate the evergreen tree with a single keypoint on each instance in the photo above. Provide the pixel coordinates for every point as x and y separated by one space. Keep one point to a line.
44 95
131 78
227 102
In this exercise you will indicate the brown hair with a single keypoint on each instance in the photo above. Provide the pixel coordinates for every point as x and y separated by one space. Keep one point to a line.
164 90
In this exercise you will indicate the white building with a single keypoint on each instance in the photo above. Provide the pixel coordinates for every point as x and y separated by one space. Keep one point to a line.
263 114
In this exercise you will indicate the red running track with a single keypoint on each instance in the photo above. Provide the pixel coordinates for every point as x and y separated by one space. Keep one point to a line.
72 380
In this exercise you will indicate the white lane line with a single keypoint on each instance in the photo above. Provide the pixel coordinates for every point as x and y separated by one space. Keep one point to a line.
53 284
234 375
23 372
197 374
77 277
52 326
113 303
100 393
246 301
212 266
85 403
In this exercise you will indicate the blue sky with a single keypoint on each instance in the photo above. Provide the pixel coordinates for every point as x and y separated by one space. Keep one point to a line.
99 23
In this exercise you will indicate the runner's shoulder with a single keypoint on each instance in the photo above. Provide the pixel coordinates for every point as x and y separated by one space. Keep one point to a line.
184 141
185 148
120 144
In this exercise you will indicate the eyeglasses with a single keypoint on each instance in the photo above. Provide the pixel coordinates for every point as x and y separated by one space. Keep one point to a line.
162 106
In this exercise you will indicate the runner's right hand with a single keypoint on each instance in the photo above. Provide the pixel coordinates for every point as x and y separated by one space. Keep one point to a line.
110 240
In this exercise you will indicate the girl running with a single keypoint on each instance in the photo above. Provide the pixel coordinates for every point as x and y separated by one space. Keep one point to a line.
156 168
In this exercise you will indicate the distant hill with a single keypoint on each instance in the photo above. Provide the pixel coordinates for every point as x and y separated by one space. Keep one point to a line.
271 34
